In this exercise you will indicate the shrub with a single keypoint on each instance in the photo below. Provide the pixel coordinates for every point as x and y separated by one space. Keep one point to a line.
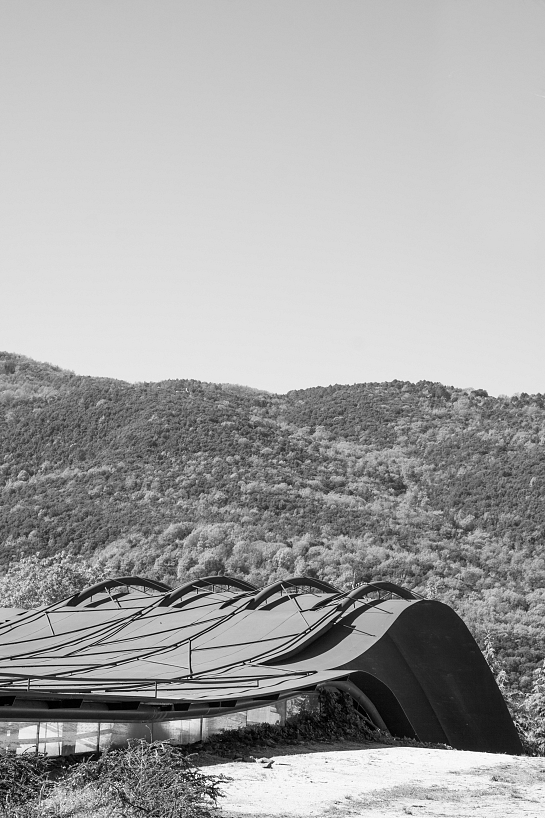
529 714
527 711
147 780
23 779
157 780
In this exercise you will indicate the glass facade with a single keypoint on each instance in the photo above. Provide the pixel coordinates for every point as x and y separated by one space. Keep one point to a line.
68 737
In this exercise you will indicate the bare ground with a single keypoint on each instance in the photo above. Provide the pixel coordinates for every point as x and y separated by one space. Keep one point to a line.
350 779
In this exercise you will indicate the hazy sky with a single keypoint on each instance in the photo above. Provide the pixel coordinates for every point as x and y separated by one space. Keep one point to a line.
279 193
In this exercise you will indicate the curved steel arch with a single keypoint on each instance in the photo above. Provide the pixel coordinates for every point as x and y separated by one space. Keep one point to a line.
345 599
381 585
204 582
115 582
291 582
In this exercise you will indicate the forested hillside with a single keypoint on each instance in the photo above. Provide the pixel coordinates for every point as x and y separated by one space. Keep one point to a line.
437 488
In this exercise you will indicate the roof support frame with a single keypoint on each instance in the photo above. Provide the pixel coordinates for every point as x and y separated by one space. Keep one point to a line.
204 582
286 584
107 584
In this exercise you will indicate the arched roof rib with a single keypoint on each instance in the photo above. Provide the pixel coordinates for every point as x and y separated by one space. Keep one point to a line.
109 584
362 591
204 582
286 584
390 587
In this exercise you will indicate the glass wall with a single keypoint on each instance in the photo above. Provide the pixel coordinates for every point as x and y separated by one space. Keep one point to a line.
68 737
305 703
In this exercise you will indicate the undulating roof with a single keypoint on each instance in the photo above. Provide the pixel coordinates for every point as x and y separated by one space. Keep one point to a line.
134 649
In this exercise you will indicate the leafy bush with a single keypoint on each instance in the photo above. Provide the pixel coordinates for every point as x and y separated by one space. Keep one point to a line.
529 714
534 706
527 710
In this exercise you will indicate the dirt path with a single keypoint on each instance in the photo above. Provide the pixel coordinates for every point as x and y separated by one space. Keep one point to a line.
366 780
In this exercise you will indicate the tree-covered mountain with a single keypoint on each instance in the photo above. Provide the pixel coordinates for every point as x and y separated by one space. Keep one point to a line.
437 488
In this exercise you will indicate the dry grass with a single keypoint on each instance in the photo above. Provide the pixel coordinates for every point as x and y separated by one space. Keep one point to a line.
87 802
143 780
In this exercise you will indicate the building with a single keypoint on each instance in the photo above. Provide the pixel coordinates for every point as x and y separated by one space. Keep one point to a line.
131 657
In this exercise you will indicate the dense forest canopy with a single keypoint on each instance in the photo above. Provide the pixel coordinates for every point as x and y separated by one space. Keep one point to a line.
436 488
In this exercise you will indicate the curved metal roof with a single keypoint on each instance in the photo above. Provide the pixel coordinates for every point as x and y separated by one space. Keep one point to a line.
139 650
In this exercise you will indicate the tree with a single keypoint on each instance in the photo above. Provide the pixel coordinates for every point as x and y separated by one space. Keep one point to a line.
34 581
534 708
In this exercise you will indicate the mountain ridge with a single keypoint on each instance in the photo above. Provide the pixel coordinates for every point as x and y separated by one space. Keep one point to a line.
431 486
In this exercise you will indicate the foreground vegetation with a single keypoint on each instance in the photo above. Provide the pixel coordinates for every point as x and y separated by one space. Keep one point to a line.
155 780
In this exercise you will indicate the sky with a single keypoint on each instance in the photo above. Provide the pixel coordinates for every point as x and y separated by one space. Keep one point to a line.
276 193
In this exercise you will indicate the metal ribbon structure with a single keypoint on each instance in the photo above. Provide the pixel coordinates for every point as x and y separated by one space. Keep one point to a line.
132 649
